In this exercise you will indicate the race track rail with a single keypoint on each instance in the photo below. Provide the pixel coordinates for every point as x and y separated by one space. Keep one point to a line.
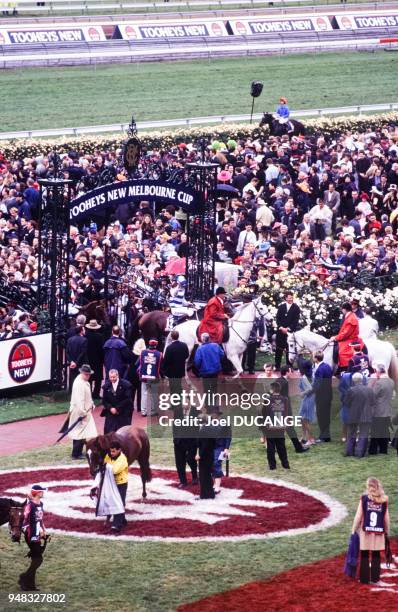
120 51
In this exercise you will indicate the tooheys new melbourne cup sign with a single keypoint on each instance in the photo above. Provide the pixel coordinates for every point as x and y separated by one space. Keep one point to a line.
22 361
133 191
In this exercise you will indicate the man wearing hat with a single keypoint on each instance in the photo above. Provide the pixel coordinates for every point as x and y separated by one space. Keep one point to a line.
214 317
149 372
349 332
95 354
34 531
81 407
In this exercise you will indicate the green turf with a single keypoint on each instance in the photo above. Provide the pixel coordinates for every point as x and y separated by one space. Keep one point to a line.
20 408
78 96
101 576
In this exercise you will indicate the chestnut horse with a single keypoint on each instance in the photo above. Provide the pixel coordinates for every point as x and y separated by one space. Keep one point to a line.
135 445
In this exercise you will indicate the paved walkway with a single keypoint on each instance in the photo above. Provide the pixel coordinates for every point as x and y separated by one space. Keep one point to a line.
40 432
37 433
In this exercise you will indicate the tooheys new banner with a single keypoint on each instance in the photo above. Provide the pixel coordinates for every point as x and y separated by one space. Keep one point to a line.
367 21
269 25
171 29
56 34
25 361
133 191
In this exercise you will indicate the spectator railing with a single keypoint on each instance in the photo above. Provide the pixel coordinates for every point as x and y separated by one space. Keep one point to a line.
86 6
192 121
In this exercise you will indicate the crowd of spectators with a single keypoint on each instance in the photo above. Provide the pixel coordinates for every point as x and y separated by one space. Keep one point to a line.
312 206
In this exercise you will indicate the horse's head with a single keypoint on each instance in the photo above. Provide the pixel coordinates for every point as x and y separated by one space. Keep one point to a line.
96 451
15 522
266 119
262 309
294 346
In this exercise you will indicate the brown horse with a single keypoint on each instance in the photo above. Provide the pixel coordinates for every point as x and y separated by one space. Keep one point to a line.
153 324
11 512
135 445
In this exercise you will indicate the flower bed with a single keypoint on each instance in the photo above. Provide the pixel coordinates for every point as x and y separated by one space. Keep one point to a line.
327 126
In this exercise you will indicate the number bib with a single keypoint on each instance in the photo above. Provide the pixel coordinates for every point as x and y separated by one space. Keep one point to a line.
149 366
373 515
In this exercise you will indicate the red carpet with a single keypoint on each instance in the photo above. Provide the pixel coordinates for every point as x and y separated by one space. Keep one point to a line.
317 587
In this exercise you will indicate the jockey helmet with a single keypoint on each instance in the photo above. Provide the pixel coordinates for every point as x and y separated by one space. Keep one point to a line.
181 280
153 342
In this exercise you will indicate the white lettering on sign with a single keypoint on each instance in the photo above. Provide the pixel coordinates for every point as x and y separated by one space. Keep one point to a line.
46 36
376 21
21 363
21 372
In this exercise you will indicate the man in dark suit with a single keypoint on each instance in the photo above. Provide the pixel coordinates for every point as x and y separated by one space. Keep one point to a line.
117 402
173 365
95 353
322 386
287 320
76 353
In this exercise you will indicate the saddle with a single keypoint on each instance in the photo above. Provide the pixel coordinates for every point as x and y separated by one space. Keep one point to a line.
225 333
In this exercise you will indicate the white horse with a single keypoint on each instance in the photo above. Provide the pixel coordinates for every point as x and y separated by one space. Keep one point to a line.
240 326
368 327
379 351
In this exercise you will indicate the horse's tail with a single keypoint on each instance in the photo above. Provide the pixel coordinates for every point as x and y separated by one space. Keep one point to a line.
143 459
393 370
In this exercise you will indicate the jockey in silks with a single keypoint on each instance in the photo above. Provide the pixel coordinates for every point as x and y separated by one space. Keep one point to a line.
282 113
179 306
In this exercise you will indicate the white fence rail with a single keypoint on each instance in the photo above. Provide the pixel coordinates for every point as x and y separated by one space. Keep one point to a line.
31 6
190 122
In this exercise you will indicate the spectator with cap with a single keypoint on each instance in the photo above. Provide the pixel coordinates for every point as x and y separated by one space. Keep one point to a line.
34 531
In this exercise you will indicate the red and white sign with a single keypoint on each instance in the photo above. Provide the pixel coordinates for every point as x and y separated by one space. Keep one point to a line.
284 25
166 29
367 21
248 507
25 361
56 34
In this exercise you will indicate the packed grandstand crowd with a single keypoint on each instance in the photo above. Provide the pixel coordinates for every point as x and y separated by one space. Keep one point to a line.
313 207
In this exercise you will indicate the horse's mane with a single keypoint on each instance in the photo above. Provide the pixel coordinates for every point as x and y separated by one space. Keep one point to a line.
311 333
239 310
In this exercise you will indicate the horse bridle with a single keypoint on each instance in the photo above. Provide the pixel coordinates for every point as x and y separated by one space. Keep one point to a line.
255 319
10 526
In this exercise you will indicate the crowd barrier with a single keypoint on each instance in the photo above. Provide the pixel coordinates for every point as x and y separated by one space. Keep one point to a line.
194 121
56 6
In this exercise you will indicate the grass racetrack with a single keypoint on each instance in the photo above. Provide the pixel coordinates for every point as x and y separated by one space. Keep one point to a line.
78 96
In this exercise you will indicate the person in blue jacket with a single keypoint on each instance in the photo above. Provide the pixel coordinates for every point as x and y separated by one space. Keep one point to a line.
208 364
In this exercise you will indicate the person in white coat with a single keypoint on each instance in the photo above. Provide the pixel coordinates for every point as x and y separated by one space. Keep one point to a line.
81 406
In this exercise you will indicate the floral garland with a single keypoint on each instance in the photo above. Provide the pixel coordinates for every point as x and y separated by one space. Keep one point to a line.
327 126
